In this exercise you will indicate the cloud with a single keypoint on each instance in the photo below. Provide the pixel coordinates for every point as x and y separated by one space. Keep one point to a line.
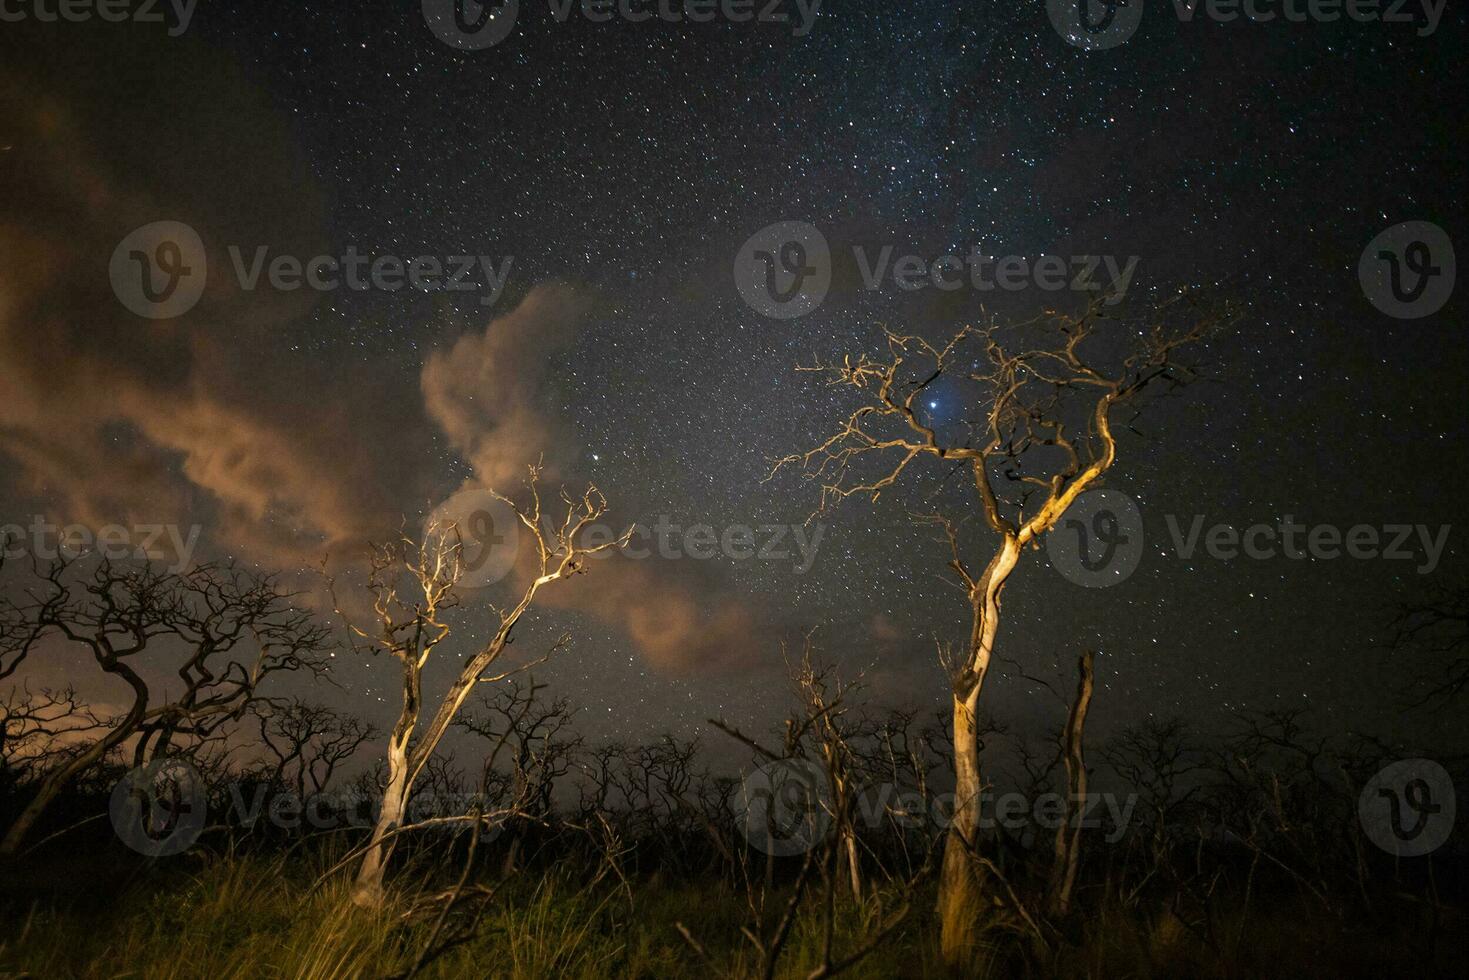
213 417
485 390
678 618
281 450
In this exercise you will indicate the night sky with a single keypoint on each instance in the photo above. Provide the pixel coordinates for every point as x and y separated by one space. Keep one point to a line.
622 166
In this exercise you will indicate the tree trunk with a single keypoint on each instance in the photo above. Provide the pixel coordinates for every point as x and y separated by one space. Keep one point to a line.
959 885
367 890
58 779
51 787
854 865
960 877
1068 837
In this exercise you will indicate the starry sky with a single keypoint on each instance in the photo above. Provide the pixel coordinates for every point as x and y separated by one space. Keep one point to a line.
623 165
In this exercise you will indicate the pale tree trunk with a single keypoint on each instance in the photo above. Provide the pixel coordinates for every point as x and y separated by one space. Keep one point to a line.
367 890
405 765
960 877
854 866
959 891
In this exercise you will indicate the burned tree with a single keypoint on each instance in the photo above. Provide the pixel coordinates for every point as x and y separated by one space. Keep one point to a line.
410 627
1043 399
221 629
307 742
534 734
1433 628
40 730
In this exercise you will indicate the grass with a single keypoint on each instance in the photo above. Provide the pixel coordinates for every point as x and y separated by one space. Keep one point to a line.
254 917
258 916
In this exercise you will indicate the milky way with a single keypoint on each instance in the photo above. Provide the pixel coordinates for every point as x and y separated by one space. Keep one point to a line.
622 166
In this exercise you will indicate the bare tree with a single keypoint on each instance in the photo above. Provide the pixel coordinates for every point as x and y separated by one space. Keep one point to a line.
1434 626
410 627
42 729
1067 847
308 741
824 701
533 734
226 630
1043 403
1161 760
815 731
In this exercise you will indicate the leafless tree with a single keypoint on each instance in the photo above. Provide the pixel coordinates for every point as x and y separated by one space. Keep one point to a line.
1067 848
411 625
1044 397
825 698
654 781
223 629
814 731
41 729
534 735
896 759
1434 627
308 741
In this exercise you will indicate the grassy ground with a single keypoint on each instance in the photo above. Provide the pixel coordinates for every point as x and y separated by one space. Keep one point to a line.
259 917
253 917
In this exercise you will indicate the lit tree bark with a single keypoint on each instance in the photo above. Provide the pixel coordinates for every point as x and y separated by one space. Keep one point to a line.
1023 407
411 630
